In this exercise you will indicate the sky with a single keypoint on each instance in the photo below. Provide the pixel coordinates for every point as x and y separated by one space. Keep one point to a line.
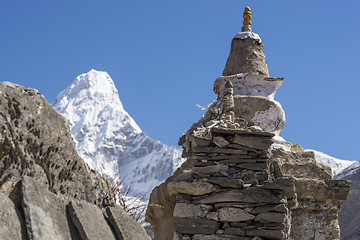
164 56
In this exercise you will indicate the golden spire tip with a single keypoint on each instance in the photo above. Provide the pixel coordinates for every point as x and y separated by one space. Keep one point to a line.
247 16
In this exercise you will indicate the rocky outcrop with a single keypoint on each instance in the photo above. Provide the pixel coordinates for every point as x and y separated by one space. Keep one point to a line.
46 190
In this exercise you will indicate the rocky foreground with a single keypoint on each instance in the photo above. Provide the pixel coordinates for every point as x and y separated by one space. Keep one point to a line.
46 190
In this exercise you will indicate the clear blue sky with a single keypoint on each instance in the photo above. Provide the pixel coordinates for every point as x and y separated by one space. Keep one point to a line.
165 55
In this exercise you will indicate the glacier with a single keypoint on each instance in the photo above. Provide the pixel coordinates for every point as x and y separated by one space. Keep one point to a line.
109 140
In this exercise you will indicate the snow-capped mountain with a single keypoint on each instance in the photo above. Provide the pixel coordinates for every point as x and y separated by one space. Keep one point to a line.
337 165
349 171
108 139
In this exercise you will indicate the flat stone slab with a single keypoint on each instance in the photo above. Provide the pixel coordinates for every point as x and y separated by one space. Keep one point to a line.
45 213
125 227
90 222
253 195
193 188
230 214
10 227
195 226
218 237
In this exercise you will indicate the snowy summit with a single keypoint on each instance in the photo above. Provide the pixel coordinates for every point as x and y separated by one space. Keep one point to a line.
108 139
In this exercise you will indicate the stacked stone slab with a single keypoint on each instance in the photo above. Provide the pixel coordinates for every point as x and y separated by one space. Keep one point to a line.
241 180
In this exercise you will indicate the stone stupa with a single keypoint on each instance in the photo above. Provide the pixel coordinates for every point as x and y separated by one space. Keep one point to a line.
241 179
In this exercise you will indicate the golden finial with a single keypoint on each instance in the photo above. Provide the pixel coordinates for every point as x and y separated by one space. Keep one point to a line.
247 16
247 23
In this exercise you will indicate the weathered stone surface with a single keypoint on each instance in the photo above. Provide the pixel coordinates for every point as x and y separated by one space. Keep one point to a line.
211 169
45 213
213 216
89 221
269 234
253 166
10 227
125 227
218 237
229 214
273 217
227 182
253 142
324 191
235 231
219 150
190 210
314 225
35 140
195 226
301 165
192 188
270 208
286 184
243 60
260 111
254 195
220 142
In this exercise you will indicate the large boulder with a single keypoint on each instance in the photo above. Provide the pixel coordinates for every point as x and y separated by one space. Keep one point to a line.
35 140
46 190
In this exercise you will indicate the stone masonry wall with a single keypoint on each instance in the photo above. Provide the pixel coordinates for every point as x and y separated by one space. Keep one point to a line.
234 185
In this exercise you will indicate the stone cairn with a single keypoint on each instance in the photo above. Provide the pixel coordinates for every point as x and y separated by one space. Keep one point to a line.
241 180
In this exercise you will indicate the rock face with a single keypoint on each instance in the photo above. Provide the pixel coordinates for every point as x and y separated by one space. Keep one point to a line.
46 190
241 181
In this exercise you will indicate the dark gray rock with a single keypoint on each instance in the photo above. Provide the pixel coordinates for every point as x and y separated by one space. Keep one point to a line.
261 143
267 234
45 213
89 221
235 231
190 210
10 227
35 140
124 226
254 195
227 182
196 226
193 188
232 214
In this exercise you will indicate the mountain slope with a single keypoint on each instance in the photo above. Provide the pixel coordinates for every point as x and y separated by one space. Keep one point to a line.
349 216
108 139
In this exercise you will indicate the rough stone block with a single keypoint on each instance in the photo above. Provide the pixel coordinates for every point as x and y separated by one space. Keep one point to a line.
270 208
229 214
194 188
125 227
273 217
45 213
267 234
220 142
252 195
190 210
89 221
252 142
235 231
219 237
195 226
211 169
253 166
10 227
227 182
